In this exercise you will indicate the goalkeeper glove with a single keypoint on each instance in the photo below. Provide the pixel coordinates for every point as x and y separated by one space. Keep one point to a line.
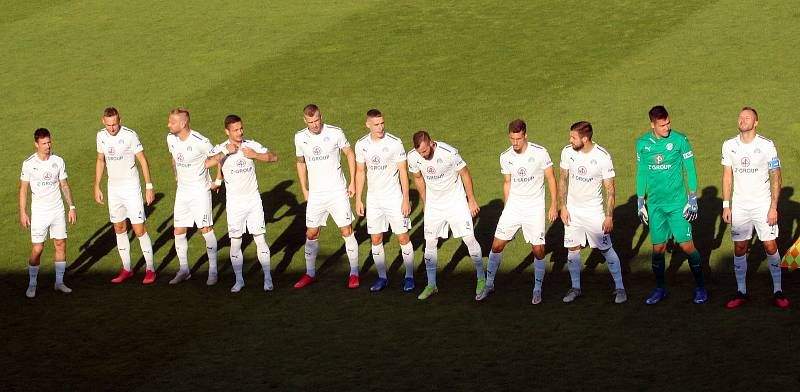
690 211
642 210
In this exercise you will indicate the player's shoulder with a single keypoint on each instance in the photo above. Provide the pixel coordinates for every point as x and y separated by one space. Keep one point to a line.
602 150
730 142
197 136
764 140
56 159
506 152
362 140
678 135
29 160
393 138
446 147
332 129
127 132
536 147
412 154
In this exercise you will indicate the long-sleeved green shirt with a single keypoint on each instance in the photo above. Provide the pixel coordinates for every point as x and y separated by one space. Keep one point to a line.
659 169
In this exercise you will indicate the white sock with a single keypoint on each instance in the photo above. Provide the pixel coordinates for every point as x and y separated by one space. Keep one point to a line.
182 250
740 271
407 251
431 258
61 266
574 265
351 247
263 256
312 248
614 267
33 274
538 273
211 251
237 260
147 250
476 254
774 261
379 258
124 248
494 264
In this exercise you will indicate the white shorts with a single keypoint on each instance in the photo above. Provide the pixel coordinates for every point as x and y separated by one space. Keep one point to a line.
247 215
192 207
530 219
48 222
384 211
125 203
455 216
586 226
744 220
335 204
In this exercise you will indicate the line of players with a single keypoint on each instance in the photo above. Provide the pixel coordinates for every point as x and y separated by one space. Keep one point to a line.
442 178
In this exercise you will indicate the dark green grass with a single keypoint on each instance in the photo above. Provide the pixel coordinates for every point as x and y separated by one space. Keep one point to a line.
462 70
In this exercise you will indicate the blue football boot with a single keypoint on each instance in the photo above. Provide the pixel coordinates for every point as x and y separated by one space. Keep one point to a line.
657 296
379 285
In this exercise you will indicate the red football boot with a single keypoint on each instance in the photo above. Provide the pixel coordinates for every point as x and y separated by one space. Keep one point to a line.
780 300
305 281
149 277
738 300
123 276
353 283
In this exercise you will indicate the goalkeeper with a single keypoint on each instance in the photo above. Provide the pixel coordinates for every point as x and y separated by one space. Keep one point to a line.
663 204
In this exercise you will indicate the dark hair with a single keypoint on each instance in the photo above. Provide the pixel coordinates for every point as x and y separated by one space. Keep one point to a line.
110 112
517 126
419 137
584 129
658 112
310 110
231 119
40 133
755 113
181 111
374 113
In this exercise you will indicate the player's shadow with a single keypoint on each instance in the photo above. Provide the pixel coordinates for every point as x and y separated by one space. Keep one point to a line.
707 231
103 242
626 224
484 227
788 219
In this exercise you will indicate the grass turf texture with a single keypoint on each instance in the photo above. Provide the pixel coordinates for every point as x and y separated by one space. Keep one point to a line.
459 69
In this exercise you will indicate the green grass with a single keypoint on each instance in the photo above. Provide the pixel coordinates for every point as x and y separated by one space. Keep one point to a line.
461 70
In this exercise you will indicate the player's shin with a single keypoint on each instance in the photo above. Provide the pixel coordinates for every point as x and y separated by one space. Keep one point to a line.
211 251
182 250
236 259
658 269
262 249
351 247
494 265
312 248
61 266
408 258
124 248
431 258
774 261
697 268
740 271
614 267
476 254
379 258
539 266
574 264
147 250
33 274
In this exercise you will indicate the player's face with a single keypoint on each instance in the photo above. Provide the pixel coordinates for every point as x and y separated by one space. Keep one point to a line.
235 132
176 123
111 124
662 127
43 145
747 121
375 125
575 140
425 149
518 140
314 123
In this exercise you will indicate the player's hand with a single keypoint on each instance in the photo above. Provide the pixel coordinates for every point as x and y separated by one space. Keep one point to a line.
351 189
214 187
24 220
72 216
608 225
248 152
690 211
232 148
726 215
98 195
305 194
149 196
473 207
405 208
565 216
642 210
553 214
772 217
359 208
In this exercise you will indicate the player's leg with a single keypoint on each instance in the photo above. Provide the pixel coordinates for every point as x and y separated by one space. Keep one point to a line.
237 214
377 224
258 228
659 234
124 250
574 240
435 227
140 230
460 221
311 251
601 241
237 263
681 231
539 266
741 233
400 226
60 245
33 267
493 264
407 252
343 217
182 220
768 235
203 219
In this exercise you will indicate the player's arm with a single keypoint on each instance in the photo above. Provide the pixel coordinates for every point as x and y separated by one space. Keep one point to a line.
217 179
551 185
405 207
563 186
174 169
99 167
420 183
149 193
24 220
215 160
727 187
466 178
506 187
72 215
691 209
641 184
267 156
361 174
611 199
351 165
302 175
775 191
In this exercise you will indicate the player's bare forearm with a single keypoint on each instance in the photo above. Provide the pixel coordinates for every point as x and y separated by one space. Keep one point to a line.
775 189
420 183
402 168
23 197
611 196
67 192
551 184
361 171
174 170
563 185
351 161
506 187
145 167
302 174
213 160
466 178
99 168
727 182
268 156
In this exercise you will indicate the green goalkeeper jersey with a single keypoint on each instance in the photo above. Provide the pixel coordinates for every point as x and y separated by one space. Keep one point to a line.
659 169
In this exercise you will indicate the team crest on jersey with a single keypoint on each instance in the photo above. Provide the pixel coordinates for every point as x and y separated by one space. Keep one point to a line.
326 139
745 162
240 163
317 150
180 157
431 170
522 172
670 146
47 176
54 166
120 141
111 151
531 159
582 171
658 159
376 160
439 160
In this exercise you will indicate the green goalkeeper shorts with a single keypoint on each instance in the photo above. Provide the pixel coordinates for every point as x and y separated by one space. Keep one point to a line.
668 222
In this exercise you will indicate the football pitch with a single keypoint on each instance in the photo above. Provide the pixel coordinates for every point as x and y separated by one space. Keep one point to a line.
459 69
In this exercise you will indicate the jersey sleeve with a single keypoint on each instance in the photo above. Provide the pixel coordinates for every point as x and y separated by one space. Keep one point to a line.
641 171
360 153
341 140
726 156
298 152
400 153
62 170
205 146
216 150
169 144
608 168
99 144
458 162
24 174
546 161
562 163
505 168
412 165
688 164
774 163
257 147
136 144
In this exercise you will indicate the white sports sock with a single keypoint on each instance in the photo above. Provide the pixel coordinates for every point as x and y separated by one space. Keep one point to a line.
407 251
263 255
574 265
211 251
61 266
494 264
124 248
774 261
614 267
538 273
182 250
237 260
351 247
147 250
431 258
740 271
379 258
33 274
312 248
476 254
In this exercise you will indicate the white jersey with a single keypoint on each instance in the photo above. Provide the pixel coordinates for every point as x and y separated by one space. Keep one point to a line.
527 173
190 158
321 152
44 179
239 171
751 163
442 181
586 174
120 155
381 158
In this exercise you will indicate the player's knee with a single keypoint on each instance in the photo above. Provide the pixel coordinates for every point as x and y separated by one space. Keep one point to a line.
179 231
346 231
139 229
312 234
578 248
498 246
538 251
60 244
660 249
121 227
771 247
403 239
740 248
207 229
431 245
37 249
377 239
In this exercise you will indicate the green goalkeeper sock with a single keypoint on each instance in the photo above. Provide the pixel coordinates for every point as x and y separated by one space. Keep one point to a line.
658 269
697 269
